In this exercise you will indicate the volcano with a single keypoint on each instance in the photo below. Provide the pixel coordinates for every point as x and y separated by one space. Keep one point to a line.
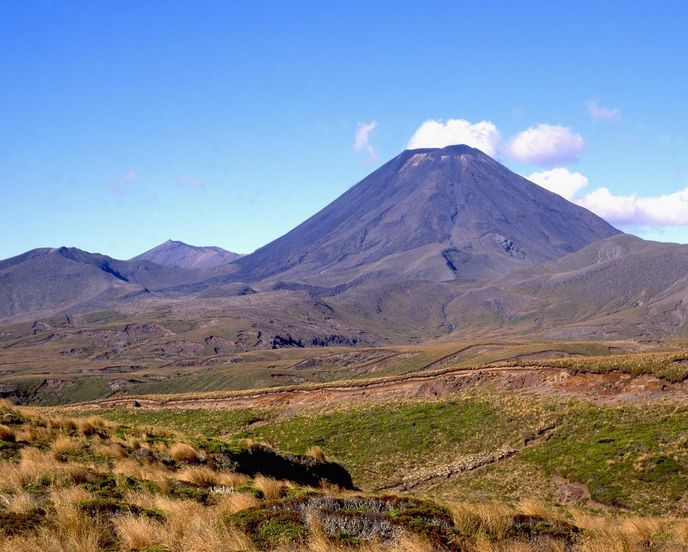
431 214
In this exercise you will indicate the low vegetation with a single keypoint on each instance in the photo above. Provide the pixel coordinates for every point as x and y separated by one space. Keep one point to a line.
93 484
80 371
465 457
90 484
669 366
628 456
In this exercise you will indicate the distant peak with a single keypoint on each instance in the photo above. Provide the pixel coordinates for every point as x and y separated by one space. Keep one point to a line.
178 253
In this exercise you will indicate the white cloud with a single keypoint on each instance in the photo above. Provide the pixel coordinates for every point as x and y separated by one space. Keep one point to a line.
603 113
663 210
622 210
560 181
438 134
543 145
546 145
362 139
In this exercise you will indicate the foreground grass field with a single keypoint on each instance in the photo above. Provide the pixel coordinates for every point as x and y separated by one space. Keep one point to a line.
471 447
630 457
88 484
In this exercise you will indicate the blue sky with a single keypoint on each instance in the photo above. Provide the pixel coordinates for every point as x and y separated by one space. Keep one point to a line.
125 123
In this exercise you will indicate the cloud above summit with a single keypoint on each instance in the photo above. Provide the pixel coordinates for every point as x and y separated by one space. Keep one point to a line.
438 134
543 145
546 145
550 147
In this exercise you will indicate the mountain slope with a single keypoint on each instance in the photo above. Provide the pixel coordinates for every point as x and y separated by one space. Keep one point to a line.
432 214
52 279
619 287
180 254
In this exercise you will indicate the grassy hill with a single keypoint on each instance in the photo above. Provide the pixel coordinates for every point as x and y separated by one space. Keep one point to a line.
90 484
494 445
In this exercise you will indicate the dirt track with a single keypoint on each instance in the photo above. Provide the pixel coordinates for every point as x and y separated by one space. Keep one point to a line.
537 380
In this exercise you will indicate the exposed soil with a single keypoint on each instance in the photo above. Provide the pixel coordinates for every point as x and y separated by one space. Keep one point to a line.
220 345
571 492
539 380
425 478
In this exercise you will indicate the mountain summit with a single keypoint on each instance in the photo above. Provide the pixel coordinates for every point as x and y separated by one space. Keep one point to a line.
432 214
180 254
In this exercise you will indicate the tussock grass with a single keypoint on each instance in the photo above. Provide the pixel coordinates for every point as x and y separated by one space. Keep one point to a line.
490 518
235 502
206 477
183 452
139 533
316 452
6 434
65 446
76 486
670 366
270 488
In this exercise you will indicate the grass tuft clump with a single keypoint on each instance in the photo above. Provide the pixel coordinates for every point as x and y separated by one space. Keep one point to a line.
181 452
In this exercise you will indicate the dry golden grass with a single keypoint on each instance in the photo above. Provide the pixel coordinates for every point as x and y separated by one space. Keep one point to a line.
67 425
540 509
66 445
182 452
232 503
317 453
194 526
640 529
146 471
132 443
6 434
72 529
608 533
679 530
206 477
31 434
405 543
202 534
19 503
32 466
110 450
484 544
90 426
199 475
138 533
271 488
492 518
